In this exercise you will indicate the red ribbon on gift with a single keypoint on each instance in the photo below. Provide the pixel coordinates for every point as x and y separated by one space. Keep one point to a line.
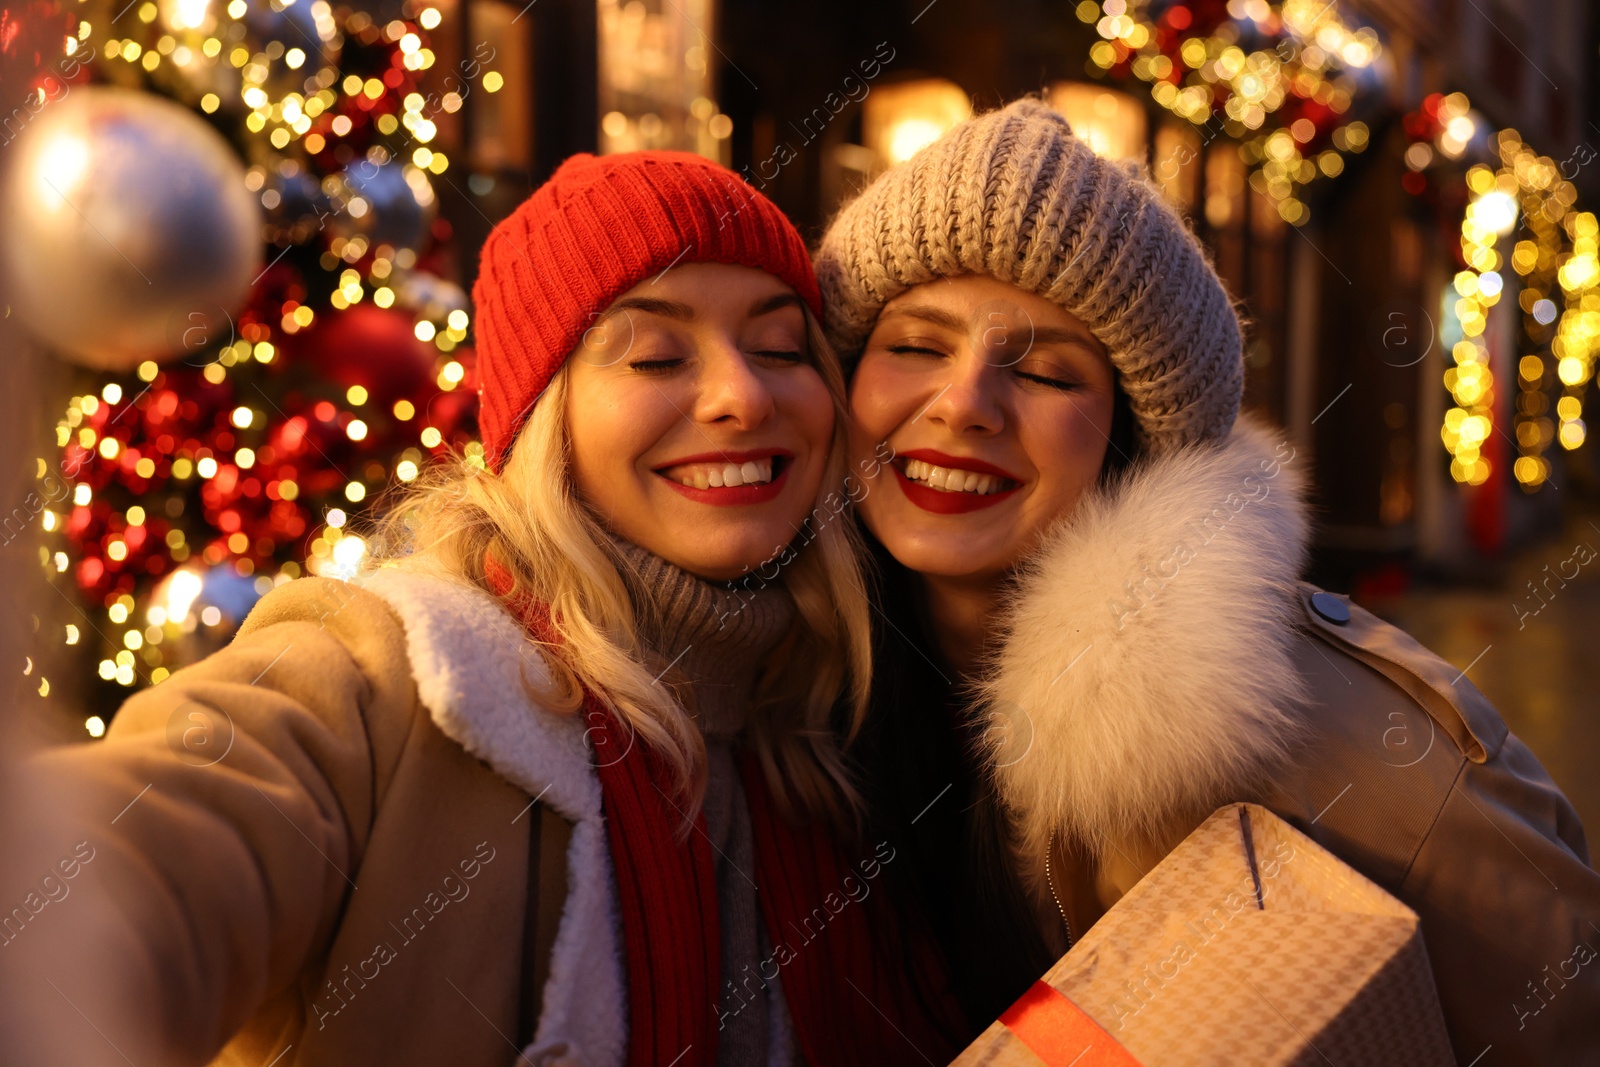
1059 1032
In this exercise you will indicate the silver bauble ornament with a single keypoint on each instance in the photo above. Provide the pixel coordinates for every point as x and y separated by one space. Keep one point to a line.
388 203
129 231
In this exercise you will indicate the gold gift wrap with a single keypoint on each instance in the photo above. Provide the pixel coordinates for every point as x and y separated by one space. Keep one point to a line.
1250 944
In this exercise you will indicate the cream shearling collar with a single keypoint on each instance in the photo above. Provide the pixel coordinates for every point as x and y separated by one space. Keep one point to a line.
1145 676
475 670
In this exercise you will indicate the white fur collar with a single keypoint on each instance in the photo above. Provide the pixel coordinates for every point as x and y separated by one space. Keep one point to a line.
1145 674
473 668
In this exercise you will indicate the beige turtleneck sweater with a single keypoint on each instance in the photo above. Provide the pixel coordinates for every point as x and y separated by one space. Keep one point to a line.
712 641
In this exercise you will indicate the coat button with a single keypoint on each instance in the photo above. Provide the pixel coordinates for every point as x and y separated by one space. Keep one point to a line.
1330 607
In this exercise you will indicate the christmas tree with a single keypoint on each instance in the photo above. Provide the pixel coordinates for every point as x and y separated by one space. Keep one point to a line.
227 217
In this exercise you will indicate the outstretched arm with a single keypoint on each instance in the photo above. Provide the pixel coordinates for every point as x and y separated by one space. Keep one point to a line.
226 812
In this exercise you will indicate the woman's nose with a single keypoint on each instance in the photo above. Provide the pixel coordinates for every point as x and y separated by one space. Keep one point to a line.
730 389
967 400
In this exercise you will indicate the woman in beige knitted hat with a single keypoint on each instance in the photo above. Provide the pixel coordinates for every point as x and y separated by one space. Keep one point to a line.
1094 629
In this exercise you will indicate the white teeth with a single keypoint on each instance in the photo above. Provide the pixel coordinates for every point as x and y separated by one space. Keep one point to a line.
721 475
950 480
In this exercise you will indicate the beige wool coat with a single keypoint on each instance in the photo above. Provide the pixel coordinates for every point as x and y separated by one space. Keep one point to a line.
1161 658
320 842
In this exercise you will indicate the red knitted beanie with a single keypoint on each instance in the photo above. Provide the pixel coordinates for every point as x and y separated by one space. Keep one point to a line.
597 228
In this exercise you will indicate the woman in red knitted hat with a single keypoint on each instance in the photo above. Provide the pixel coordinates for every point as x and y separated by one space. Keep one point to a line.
558 777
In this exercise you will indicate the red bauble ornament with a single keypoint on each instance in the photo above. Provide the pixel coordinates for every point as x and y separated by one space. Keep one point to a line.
375 348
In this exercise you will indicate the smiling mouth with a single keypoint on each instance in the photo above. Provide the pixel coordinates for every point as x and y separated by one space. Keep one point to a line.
954 480
725 475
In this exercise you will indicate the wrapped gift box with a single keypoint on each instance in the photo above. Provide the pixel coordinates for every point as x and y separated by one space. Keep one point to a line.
1249 944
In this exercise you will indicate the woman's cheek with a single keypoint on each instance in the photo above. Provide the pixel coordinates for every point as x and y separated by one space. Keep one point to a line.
814 414
872 398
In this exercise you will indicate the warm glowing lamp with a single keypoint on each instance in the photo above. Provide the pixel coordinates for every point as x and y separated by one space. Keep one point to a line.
1111 123
900 119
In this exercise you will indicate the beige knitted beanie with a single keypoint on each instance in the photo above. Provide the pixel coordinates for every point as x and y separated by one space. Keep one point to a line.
1013 195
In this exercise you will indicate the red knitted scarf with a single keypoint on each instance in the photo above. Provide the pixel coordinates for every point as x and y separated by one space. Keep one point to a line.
860 991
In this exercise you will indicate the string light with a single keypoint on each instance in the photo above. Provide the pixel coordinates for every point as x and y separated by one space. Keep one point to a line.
182 478
1283 102
1512 188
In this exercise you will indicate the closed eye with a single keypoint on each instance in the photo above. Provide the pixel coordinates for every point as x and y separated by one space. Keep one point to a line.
654 366
1054 383
786 356
913 350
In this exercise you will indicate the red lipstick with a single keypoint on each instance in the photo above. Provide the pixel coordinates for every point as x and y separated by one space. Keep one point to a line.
737 495
940 502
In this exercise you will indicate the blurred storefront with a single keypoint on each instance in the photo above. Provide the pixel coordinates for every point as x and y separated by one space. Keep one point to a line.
1397 192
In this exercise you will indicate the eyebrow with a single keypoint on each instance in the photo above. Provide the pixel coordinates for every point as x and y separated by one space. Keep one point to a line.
682 312
1050 335
671 309
1044 335
776 302
932 315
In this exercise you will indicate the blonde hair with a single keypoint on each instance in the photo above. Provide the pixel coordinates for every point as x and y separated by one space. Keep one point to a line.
531 519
